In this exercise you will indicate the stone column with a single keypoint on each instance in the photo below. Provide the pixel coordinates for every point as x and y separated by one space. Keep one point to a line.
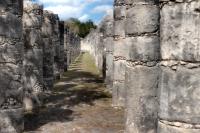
66 48
56 43
61 58
142 50
33 54
119 58
179 87
48 50
11 58
108 48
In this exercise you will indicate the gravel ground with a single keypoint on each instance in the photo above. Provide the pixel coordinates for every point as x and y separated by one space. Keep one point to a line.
79 103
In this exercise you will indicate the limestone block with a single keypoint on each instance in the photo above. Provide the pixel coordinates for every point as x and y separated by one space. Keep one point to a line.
142 48
13 71
11 85
119 12
119 70
30 20
179 31
14 7
119 28
179 95
10 50
109 44
109 70
121 48
32 38
47 44
141 19
164 128
118 94
108 28
46 28
11 25
32 17
141 99
34 59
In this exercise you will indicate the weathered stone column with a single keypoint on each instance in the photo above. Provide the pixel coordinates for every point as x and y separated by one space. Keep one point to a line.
179 88
119 58
108 46
142 49
61 58
66 48
33 54
48 50
11 57
56 43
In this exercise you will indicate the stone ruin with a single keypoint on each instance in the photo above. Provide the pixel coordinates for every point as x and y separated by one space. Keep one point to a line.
154 61
33 53
72 47
11 64
32 56
148 52
93 44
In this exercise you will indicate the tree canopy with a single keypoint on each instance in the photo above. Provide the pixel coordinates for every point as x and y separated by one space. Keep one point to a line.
81 28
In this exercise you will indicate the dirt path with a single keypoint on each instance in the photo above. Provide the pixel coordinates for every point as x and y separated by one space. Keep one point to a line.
79 103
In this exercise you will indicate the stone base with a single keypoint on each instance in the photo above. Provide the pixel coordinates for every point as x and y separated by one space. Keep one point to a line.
11 121
164 128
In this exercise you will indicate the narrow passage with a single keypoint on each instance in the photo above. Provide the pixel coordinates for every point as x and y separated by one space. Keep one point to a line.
79 103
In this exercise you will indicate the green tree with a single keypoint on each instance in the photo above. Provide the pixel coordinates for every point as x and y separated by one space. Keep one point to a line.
81 28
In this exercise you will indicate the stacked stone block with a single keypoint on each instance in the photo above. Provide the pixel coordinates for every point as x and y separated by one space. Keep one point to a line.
71 47
179 110
56 43
142 71
108 48
48 49
66 49
119 53
33 53
11 58
61 57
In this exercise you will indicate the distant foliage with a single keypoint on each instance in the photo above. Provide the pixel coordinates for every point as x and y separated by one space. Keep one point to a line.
81 28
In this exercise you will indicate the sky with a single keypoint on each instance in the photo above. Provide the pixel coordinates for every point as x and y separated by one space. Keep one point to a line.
81 9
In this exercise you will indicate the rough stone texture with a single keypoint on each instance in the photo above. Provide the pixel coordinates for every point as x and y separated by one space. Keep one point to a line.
141 99
142 19
119 54
11 57
179 31
146 48
179 95
107 27
179 81
166 128
33 54
56 44
142 49
61 57
72 47
48 49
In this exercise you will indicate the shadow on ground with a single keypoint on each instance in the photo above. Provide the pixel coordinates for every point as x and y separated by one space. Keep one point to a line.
80 85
